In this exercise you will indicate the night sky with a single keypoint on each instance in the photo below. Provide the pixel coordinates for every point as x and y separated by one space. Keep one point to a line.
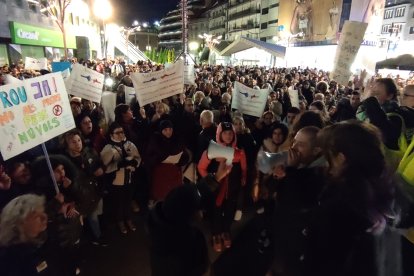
126 11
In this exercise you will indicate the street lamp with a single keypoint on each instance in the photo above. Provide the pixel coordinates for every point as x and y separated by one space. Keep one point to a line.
210 41
103 10
193 46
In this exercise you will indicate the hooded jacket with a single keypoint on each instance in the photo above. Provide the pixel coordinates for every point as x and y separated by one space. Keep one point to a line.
239 157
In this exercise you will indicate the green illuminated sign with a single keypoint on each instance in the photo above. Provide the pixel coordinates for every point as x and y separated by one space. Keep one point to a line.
30 35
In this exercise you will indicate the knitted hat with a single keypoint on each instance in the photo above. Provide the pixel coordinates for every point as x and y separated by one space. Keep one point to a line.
165 124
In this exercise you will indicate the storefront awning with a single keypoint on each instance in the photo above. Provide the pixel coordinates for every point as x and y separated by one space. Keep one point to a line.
244 43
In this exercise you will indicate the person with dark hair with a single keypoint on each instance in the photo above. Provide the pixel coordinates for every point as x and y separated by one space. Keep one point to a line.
308 118
224 202
121 158
90 178
346 108
177 247
320 108
297 186
382 110
263 189
91 132
291 115
354 206
164 157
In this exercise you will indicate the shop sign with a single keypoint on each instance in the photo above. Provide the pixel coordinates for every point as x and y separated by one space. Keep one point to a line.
31 35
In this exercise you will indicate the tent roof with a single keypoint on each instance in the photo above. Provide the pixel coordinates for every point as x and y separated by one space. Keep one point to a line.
244 43
403 62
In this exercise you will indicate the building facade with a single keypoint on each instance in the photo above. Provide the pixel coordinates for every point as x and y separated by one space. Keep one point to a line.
26 32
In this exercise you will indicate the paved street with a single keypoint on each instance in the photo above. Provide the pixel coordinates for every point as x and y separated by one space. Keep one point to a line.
129 255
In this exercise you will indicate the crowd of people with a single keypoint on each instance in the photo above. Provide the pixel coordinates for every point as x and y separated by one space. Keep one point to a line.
327 180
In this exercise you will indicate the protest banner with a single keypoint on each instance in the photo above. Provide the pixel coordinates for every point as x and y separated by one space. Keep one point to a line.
85 83
35 64
189 74
349 43
61 66
33 112
155 86
130 96
249 101
9 79
294 97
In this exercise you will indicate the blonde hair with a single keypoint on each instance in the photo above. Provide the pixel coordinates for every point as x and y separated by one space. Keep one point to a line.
14 214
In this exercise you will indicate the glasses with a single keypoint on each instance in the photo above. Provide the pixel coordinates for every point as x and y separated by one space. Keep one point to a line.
119 132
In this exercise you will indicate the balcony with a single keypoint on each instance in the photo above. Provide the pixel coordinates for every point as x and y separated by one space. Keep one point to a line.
179 32
244 27
222 26
171 27
217 15
238 3
244 13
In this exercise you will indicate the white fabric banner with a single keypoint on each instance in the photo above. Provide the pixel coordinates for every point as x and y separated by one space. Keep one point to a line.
130 96
248 100
108 102
155 86
349 43
189 74
9 79
85 83
33 112
35 63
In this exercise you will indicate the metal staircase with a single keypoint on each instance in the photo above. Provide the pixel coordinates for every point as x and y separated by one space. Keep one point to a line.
130 51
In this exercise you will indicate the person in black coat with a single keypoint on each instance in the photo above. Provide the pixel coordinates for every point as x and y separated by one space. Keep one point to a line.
177 247
343 235
207 133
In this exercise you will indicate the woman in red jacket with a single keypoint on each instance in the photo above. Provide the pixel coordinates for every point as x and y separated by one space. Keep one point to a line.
224 206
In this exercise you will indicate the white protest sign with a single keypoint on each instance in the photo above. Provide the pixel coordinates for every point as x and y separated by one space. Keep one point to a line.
189 74
35 64
155 86
85 83
108 102
349 43
130 96
248 100
294 97
9 79
33 112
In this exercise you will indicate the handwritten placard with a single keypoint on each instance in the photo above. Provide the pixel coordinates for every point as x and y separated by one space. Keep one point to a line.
85 83
32 112
349 43
248 100
155 86
35 63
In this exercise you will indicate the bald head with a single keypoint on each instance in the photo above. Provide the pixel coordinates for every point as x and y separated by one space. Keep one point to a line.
408 96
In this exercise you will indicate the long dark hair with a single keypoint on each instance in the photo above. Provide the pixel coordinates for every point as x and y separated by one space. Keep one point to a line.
365 177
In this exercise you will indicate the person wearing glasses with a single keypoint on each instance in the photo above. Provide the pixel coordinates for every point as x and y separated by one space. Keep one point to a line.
121 159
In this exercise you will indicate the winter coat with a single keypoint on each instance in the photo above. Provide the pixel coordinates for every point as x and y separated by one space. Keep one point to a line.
176 250
120 159
239 159
164 176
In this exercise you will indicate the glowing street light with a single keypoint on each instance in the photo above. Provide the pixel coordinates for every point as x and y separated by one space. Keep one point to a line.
103 10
